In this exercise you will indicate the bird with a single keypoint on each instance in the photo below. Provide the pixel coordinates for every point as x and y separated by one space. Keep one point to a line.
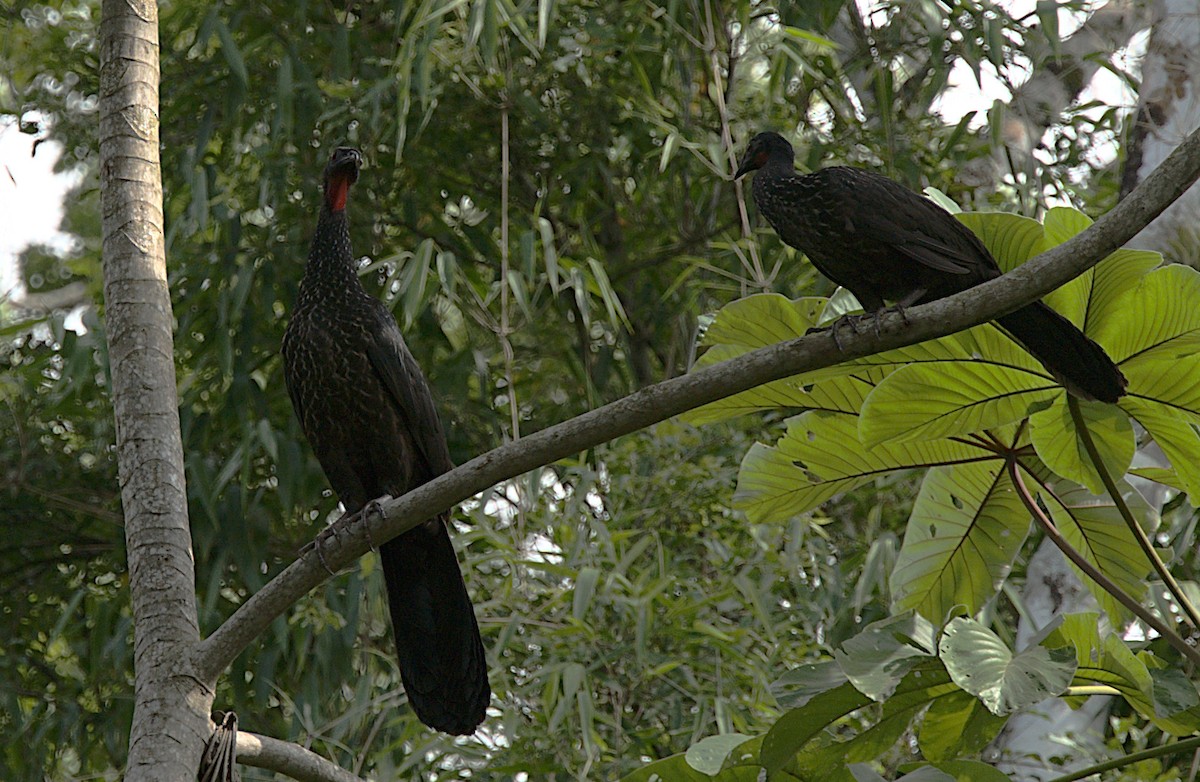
883 242
367 410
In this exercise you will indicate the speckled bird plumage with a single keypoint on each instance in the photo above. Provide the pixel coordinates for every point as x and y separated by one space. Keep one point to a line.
885 243
368 413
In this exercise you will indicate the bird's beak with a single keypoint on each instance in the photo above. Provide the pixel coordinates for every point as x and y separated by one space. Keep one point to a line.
346 161
746 167
345 157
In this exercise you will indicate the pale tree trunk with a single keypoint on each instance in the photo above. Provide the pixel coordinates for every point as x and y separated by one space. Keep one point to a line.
1060 73
170 720
1168 109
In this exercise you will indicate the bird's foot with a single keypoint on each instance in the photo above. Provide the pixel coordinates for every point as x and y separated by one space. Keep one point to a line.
875 322
845 320
318 543
372 508
877 316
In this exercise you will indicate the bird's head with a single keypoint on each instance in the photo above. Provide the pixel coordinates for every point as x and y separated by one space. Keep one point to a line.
341 172
760 149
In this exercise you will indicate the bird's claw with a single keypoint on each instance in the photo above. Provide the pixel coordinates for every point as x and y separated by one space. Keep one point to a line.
372 508
316 544
844 320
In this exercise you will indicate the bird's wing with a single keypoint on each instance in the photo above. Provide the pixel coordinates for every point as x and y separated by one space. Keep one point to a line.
406 383
918 228
934 254
293 392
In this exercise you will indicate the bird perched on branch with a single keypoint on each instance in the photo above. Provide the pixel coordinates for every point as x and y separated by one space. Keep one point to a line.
883 242
368 413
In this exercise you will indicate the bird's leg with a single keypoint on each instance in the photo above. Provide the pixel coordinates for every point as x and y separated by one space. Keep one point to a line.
373 508
843 320
912 298
317 543
875 316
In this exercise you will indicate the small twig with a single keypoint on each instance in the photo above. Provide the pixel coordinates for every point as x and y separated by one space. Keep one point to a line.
1110 486
1094 573
719 93
514 413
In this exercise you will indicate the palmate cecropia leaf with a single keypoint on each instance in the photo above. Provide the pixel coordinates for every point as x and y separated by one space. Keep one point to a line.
967 404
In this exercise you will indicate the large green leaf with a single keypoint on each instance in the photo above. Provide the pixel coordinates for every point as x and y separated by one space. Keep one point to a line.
797 727
801 684
1094 527
1157 320
756 322
931 400
981 664
1169 382
1174 431
957 725
763 319
965 530
842 393
1061 223
1110 280
1101 657
882 654
1059 445
922 686
804 469
709 754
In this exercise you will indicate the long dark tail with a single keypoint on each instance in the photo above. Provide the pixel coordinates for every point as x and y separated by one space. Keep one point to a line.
1076 361
441 655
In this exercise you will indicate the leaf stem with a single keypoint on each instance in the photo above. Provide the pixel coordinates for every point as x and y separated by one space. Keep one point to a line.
1160 567
1123 597
1127 760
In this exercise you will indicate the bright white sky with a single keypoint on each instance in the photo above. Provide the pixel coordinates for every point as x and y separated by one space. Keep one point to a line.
31 195
31 198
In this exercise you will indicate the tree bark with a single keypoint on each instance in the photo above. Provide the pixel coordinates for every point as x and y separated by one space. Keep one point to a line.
1168 109
170 720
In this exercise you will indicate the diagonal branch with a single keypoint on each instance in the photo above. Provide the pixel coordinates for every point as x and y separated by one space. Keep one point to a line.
349 539
289 759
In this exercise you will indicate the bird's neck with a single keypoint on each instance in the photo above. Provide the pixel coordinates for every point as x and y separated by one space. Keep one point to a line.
780 162
330 259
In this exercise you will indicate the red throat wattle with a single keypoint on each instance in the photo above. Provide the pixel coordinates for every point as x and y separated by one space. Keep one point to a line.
336 192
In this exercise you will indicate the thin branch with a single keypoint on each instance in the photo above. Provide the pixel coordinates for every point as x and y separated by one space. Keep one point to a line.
1094 573
505 342
719 94
348 539
289 759
1139 534
1128 760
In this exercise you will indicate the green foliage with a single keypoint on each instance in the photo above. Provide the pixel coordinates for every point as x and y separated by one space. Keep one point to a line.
628 611
969 410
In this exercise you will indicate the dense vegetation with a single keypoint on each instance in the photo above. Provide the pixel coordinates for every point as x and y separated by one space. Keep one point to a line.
547 209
